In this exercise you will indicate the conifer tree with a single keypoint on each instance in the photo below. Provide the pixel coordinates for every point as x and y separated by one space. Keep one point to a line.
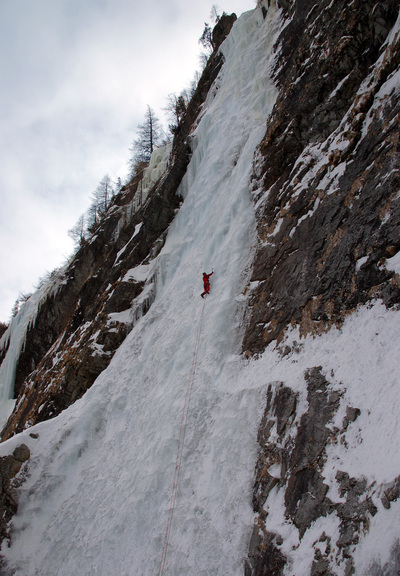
206 38
149 138
103 194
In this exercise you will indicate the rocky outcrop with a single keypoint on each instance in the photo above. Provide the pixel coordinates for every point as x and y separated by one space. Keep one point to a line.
327 174
222 29
325 186
10 480
295 465
81 320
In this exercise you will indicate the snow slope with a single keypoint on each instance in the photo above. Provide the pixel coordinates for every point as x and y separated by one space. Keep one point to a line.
361 361
97 498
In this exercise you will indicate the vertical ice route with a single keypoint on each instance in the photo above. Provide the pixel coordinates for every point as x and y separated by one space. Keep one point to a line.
181 444
96 501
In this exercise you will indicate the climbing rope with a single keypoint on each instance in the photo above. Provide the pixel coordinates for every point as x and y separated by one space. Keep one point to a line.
181 444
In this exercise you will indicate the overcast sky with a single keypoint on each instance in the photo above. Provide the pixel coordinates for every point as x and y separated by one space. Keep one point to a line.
76 77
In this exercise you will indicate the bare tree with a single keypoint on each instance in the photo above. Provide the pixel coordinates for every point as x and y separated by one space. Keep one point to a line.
77 232
176 108
215 17
193 85
149 137
101 199
103 194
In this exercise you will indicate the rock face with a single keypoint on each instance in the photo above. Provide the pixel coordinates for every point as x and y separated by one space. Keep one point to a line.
10 479
327 174
222 29
326 188
75 334
301 461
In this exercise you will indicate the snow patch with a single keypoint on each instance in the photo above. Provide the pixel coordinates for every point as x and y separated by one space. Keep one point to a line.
393 263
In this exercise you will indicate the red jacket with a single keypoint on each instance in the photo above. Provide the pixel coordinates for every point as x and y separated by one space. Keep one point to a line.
206 280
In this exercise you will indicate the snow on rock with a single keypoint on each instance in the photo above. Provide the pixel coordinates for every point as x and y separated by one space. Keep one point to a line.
363 447
394 263
13 340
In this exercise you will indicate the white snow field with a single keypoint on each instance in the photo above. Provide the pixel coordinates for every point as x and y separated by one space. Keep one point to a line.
96 501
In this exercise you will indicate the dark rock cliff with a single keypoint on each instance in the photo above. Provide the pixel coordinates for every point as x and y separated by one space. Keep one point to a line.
327 175
326 188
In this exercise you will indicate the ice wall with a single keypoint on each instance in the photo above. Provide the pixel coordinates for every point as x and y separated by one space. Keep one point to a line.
13 340
101 473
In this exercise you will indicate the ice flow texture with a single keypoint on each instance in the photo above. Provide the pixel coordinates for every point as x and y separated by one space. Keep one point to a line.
101 473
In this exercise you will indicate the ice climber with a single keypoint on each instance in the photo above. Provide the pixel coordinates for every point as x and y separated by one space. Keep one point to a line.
206 282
